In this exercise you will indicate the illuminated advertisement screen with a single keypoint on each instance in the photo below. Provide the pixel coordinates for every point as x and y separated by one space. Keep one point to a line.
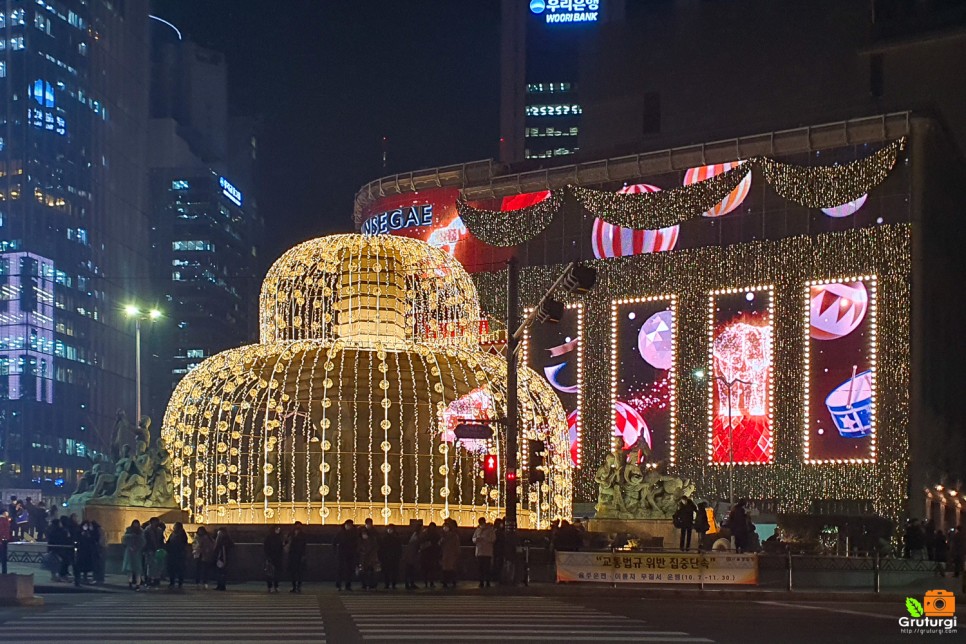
740 387
840 358
643 377
553 349
431 216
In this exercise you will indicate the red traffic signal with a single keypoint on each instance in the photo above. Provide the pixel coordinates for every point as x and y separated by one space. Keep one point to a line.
490 469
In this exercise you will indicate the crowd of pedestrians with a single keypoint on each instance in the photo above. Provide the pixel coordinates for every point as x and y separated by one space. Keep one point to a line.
28 521
149 557
429 554
924 541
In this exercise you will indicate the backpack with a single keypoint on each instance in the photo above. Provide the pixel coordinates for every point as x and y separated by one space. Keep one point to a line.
678 518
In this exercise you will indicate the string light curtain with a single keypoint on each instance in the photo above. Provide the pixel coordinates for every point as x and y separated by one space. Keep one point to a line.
787 265
830 186
654 210
368 345
510 227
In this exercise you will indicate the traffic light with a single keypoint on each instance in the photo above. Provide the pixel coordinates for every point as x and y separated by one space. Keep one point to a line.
538 456
490 469
550 311
580 280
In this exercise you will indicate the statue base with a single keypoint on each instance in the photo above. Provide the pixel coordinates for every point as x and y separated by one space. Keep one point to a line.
115 519
648 531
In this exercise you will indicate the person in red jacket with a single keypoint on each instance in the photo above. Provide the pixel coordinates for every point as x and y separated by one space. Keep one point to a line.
5 535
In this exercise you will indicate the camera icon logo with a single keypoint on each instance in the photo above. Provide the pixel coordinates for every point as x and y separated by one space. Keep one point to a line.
939 603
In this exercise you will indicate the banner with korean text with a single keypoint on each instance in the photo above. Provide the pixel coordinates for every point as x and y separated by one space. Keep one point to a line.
657 568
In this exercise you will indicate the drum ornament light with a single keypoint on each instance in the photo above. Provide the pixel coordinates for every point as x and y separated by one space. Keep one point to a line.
369 346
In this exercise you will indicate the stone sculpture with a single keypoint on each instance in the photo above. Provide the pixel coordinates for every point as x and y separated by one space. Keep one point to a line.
141 479
629 490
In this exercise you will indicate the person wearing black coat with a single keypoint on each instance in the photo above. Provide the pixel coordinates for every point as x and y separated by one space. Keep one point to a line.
177 549
701 524
390 554
347 554
429 554
296 556
223 547
684 520
274 551
86 553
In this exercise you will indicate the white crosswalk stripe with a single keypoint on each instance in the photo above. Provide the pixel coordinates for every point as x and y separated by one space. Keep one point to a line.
465 618
148 617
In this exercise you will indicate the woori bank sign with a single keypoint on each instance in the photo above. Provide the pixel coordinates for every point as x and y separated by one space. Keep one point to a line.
566 11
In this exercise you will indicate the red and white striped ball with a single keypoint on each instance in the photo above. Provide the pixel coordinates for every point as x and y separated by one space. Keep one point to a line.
609 240
836 310
734 199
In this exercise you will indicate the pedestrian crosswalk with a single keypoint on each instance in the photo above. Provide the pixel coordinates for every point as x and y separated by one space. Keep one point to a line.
162 617
464 618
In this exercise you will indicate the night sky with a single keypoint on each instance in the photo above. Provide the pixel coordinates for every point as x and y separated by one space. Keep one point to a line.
328 80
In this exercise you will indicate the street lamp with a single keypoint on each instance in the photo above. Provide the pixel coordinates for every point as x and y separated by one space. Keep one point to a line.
731 436
133 311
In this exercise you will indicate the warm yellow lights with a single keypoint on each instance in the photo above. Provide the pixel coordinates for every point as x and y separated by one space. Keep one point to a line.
338 412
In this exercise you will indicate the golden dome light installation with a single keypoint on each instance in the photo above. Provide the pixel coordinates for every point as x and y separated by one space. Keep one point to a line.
369 352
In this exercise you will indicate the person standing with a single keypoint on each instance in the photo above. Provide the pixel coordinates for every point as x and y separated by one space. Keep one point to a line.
483 538
738 524
684 520
133 542
6 534
346 552
177 550
296 544
274 549
701 524
411 560
390 552
449 554
429 554
368 558
153 542
86 553
566 539
223 548
203 552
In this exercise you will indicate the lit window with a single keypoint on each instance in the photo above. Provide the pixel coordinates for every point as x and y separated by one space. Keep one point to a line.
193 245
179 184
196 353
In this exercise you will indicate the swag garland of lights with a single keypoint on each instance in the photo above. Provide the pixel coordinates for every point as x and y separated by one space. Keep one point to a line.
788 266
810 186
369 355
499 228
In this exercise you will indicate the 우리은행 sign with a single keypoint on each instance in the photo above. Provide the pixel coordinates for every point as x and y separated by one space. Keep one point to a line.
657 568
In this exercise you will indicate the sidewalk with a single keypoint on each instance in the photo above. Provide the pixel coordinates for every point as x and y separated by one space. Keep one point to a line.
115 583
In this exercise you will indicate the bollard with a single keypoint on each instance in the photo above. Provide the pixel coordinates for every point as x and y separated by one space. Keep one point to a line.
788 583
613 559
701 567
875 571
526 562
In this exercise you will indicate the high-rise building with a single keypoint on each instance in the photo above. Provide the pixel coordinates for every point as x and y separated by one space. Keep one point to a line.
205 228
73 74
541 46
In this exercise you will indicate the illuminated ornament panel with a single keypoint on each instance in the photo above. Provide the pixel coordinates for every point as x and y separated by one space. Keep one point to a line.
741 390
609 240
369 357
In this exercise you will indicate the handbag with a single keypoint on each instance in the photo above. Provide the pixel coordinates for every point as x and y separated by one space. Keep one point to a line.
220 562
269 569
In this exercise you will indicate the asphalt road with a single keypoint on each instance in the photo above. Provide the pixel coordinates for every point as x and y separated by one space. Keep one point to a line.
321 614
